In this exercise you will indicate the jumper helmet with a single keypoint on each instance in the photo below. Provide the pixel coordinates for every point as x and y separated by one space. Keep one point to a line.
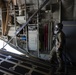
58 27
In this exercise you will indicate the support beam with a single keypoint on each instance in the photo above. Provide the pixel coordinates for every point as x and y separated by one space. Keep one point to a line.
44 3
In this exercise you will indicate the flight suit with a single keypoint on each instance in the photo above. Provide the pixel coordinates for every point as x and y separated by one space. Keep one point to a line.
58 49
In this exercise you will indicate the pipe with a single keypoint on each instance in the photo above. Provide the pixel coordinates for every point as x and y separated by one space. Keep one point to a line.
44 3
5 18
14 2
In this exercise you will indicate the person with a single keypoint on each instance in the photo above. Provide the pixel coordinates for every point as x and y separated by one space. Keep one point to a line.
59 44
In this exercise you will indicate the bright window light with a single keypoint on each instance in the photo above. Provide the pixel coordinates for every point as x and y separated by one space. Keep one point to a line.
9 48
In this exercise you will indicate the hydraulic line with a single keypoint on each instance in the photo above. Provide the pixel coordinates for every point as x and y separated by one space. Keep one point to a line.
44 3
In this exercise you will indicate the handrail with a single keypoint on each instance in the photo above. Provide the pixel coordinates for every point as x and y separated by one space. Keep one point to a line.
44 3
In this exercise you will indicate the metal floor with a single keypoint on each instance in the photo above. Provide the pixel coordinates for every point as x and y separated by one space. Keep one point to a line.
12 64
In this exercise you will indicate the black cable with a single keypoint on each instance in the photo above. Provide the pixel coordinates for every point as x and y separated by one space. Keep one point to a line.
44 3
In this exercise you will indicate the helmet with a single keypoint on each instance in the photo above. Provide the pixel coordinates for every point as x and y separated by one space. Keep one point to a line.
58 27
